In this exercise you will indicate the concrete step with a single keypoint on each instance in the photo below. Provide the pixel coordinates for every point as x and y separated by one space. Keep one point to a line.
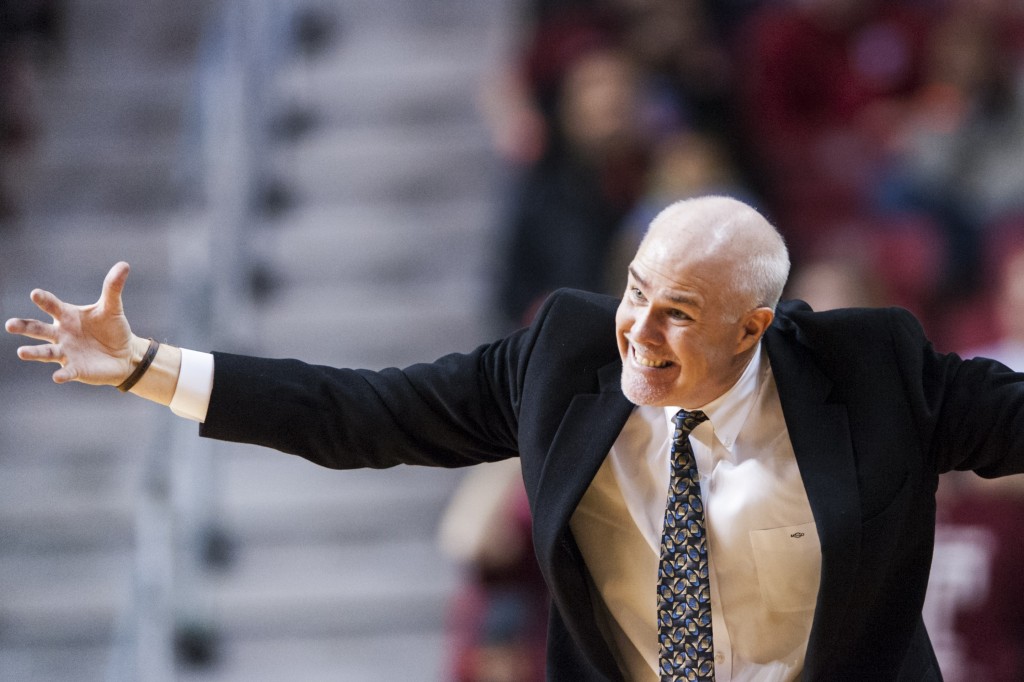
92 527
78 506
316 657
432 90
120 184
62 599
390 244
79 427
386 164
107 155
371 326
55 662
350 589
78 249
386 657
111 109
133 36
268 497
289 589
418 17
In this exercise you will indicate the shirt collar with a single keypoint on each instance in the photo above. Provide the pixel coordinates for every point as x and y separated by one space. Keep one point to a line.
728 412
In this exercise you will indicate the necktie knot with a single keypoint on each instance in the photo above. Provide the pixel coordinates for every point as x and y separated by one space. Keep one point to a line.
687 421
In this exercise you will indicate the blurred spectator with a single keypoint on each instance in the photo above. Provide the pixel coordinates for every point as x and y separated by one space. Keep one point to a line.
1008 348
974 610
521 101
498 623
730 15
1007 14
570 204
684 165
838 282
633 73
30 33
687 71
689 79
821 80
958 158
685 64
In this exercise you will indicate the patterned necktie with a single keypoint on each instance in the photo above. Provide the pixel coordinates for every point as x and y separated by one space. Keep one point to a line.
684 599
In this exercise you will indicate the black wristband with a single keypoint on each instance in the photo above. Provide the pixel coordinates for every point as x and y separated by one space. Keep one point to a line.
147 360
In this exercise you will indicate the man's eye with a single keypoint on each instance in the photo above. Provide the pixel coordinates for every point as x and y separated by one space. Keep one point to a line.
678 315
636 294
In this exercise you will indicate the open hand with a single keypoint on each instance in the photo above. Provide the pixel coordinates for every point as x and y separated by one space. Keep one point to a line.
92 343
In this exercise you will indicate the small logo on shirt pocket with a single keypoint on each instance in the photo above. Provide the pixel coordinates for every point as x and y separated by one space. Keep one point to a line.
788 573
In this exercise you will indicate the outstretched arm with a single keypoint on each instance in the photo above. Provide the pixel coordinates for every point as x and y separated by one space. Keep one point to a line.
94 344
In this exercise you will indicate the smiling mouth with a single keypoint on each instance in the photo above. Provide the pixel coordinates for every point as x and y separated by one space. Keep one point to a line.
654 364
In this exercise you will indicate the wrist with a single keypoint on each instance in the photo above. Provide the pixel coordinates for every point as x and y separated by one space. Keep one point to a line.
137 348
139 368
160 380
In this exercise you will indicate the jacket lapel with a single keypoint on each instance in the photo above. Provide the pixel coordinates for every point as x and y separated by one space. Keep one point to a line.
586 434
819 430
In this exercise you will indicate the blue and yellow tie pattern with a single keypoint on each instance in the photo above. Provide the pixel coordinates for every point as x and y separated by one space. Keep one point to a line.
684 599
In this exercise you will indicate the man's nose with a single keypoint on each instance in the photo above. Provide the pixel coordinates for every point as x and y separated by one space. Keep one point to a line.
644 329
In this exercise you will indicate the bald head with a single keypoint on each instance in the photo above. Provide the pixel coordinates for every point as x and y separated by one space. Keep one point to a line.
700 295
730 240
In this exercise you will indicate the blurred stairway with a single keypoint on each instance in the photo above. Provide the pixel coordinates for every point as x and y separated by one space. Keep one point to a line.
371 250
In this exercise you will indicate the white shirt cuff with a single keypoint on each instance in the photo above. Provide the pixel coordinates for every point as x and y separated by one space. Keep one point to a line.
195 384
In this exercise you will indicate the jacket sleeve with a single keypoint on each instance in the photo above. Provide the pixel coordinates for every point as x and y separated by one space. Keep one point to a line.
459 410
501 400
971 412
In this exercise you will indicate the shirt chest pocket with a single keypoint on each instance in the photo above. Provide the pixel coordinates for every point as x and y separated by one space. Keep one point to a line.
788 561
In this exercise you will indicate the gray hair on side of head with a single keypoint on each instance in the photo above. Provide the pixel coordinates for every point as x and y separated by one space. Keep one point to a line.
761 263
763 275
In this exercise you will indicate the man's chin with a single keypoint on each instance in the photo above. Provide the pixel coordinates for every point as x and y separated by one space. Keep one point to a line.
640 392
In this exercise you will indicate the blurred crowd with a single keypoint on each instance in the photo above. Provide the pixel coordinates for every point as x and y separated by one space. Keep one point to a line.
884 138
887 135
31 32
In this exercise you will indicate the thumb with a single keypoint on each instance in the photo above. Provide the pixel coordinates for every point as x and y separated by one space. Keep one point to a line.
113 285
64 375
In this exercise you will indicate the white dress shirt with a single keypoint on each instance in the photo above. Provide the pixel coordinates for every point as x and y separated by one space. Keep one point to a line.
195 384
763 549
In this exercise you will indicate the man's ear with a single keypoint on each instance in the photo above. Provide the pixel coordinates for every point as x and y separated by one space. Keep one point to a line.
753 326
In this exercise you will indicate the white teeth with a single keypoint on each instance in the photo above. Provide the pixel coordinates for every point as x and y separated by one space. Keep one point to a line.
650 363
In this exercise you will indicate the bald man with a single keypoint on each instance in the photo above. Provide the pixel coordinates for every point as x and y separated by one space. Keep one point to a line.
814 443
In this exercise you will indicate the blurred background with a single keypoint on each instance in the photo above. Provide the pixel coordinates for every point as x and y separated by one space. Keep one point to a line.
377 182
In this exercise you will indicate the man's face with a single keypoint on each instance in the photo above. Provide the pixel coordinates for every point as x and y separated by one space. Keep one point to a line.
677 329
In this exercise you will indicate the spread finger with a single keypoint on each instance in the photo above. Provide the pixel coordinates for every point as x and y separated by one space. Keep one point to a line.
34 329
47 352
47 302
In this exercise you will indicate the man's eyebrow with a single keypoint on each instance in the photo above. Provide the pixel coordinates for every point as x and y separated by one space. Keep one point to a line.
683 299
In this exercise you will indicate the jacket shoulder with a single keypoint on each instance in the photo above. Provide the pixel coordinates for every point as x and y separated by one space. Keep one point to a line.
575 329
577 302
836 332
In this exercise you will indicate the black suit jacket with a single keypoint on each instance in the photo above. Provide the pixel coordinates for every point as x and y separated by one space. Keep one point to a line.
874 415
